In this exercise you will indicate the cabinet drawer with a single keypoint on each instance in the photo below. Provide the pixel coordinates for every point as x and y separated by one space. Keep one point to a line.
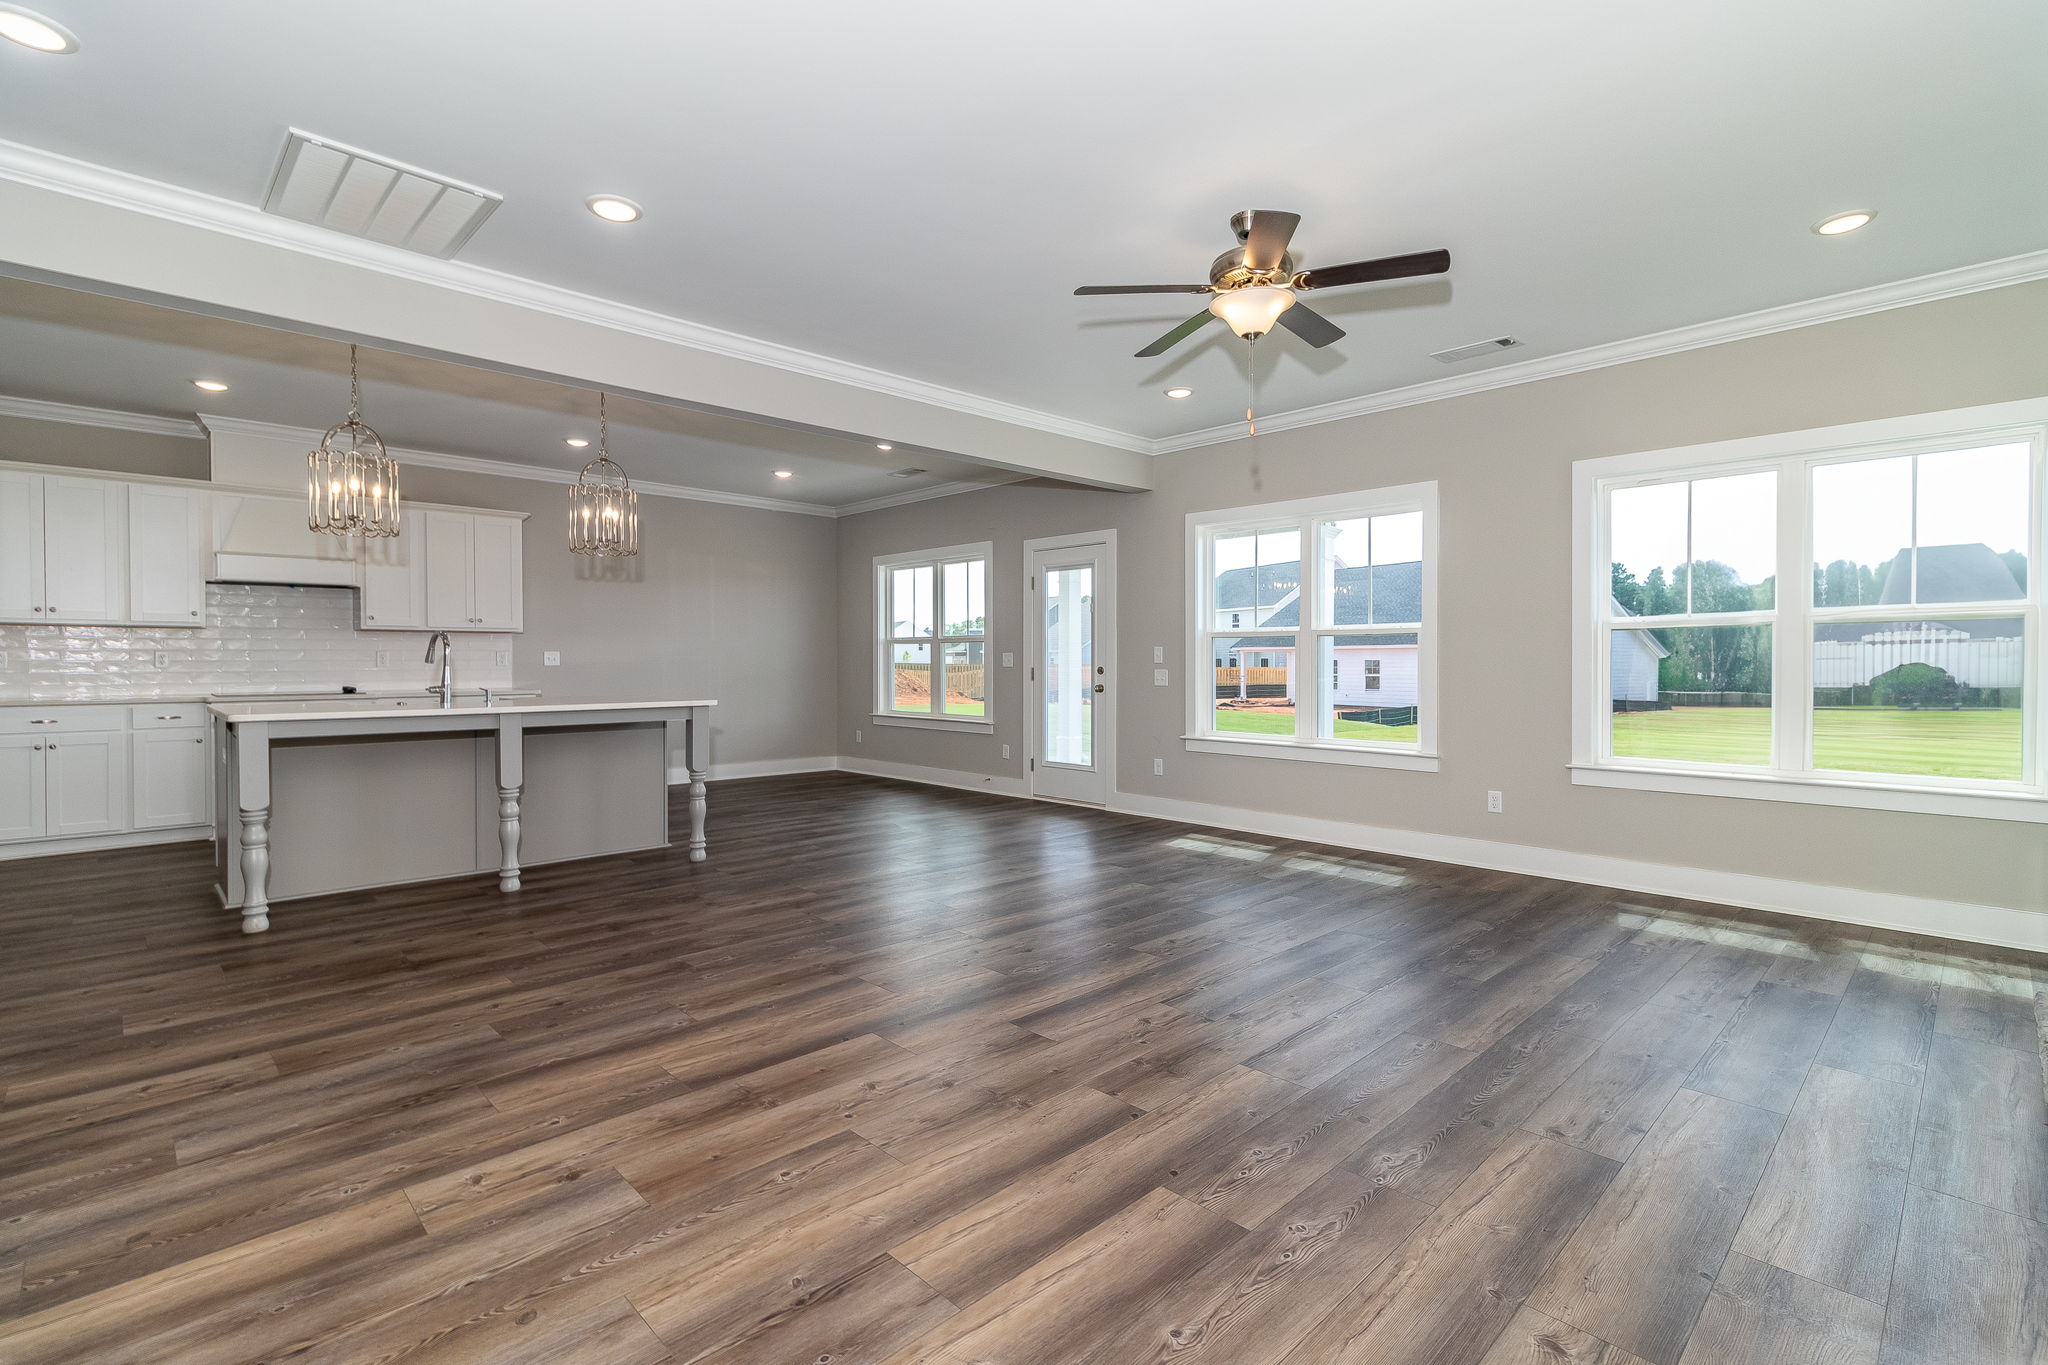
167 715
47 720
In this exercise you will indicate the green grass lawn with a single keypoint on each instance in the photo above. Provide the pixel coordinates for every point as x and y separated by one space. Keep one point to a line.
1280 723
1983 744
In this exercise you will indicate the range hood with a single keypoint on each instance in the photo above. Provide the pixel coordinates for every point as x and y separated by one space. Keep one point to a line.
262 538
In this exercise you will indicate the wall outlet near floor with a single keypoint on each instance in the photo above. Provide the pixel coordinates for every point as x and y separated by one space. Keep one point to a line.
1159 677
1158 767
1493 803
1006 751
504 658
551 658
1159 654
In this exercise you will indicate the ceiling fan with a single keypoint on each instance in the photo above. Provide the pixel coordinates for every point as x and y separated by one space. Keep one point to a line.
1255 283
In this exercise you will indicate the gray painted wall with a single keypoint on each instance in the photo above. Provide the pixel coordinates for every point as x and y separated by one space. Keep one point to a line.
725 602
1504 462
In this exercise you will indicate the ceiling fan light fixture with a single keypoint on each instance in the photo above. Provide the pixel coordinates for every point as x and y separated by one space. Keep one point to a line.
1252 311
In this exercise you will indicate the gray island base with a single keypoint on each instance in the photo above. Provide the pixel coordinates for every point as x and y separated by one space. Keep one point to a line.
326 796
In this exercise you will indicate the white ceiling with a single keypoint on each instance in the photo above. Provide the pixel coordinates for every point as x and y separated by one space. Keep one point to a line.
63 346
918 187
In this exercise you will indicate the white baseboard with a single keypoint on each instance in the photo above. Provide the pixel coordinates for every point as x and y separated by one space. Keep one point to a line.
937 777
92 843
1992 924
759 767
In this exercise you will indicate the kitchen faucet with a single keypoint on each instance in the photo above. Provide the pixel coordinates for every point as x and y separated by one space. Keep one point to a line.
447 687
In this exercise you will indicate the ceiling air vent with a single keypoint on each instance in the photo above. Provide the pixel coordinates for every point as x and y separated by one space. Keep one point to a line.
1477 348
364 195
907 472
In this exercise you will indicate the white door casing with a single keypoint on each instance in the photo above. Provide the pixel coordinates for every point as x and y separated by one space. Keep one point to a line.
1071 674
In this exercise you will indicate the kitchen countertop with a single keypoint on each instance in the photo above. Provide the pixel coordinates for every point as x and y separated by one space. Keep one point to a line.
282 695
368 708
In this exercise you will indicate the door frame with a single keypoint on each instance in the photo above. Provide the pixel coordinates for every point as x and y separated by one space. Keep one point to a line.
1104 542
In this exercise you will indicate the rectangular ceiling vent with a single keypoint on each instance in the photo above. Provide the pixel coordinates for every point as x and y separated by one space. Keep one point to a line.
1477 348
334 186
907 472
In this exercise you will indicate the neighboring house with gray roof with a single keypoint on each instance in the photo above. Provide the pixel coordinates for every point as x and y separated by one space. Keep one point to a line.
1982 652
1367 670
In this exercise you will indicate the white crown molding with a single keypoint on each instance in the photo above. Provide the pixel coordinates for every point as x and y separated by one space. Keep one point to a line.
80 416
42 169
1969 279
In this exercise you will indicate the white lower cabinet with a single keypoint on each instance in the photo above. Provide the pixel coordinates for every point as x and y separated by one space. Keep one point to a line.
73 772
85 784
21 787
170 778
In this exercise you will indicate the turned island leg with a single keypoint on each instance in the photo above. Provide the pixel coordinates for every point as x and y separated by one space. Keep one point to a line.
511 780
252 803
694 758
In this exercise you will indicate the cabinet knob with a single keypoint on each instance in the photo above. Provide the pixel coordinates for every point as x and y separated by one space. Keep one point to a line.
39 748
195 613
369 617
35 608
200 740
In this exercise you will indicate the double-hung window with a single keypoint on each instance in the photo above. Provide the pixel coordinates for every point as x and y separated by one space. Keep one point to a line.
1312 629
932 638
1846 616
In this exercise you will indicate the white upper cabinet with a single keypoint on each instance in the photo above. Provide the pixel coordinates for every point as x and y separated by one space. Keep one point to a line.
21 546
167 554
85 550
394 578
473 567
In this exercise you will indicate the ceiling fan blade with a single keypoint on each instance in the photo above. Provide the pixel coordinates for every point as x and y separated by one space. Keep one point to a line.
1311 326
1266 243
1179 334
1142 289
1385 268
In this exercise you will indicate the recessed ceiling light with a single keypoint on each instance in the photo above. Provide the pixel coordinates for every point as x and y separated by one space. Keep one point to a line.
883 445
34 31
785 473
210 385
1179 393
577 441
613 209
1842 222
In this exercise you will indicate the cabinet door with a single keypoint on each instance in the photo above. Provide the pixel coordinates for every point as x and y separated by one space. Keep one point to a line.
446 539
394 579
170 771
495 593
21 787
85 784
167 548
21 546
85 549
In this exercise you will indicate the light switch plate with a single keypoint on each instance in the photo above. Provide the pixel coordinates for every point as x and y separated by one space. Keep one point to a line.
551 659
383 658
1009 660
1159 654
504 658
1159 677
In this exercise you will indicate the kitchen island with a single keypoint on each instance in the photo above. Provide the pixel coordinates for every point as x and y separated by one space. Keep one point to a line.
315 797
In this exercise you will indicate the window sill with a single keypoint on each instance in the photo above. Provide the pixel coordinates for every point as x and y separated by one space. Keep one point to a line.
2031 807
1312 751
965 724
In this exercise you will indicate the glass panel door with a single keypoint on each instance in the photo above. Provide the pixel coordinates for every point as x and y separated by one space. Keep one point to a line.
1067 726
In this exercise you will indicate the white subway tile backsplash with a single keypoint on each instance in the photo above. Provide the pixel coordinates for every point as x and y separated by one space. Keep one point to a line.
256 636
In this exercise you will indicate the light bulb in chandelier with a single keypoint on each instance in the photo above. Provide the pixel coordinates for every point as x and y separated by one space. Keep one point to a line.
1252 312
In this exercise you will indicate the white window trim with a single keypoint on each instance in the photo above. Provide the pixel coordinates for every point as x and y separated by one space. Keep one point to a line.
1202 527
1794 454
884 667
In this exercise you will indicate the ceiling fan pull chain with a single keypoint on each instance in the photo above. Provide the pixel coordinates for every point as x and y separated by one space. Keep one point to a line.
1251 363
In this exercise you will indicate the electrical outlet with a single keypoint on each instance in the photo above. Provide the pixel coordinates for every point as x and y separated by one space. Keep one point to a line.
550 658
1493 803
1158 767
1009 660
504 658
1006 751
383 658
162 658
1159 654
1159 677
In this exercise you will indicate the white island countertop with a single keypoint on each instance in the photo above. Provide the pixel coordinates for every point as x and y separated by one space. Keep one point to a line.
416 705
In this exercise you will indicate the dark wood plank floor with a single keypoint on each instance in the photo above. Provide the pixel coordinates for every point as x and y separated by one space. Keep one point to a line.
907 1075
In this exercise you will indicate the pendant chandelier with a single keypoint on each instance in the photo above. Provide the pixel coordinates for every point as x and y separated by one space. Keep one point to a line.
351 480
604 511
